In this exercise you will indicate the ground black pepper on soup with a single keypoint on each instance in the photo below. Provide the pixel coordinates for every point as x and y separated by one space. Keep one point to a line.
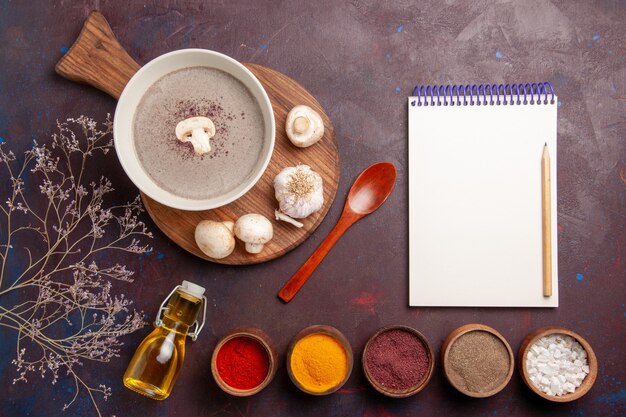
235 148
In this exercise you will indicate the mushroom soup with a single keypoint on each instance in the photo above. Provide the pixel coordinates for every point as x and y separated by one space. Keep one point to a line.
179 166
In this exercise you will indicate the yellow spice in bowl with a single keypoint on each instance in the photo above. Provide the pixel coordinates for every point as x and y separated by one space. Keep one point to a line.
319 362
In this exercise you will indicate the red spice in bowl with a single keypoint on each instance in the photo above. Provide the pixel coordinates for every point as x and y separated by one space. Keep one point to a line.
398 361
242 363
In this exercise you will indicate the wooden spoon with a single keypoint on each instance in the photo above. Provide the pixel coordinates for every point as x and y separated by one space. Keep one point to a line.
369 191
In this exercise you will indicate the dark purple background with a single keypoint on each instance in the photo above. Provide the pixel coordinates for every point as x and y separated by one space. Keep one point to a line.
360 59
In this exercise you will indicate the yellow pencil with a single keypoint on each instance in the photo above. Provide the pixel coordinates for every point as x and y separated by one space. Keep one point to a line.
546 222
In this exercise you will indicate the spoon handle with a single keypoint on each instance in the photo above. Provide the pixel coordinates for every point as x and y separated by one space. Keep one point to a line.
298 279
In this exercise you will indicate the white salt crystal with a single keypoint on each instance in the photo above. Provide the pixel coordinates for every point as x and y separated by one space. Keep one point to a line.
556 387
550 370
557 364
555 384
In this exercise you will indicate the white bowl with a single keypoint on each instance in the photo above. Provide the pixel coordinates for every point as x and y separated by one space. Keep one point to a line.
134 91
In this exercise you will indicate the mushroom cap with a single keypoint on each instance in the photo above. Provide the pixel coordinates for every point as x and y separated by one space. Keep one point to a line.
304 133
215 239
254 228
185 127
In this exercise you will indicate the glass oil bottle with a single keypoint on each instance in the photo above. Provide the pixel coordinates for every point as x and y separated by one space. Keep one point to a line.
155 366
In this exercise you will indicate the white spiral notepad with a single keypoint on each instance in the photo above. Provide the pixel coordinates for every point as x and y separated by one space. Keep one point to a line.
475 195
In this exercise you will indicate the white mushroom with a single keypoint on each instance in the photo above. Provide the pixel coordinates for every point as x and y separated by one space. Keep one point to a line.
198 131
254 230
215 239
304 126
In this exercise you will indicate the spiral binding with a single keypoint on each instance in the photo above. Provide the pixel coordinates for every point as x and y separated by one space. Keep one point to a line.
483 94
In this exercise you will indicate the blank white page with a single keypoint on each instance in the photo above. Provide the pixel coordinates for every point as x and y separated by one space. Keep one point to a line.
475 236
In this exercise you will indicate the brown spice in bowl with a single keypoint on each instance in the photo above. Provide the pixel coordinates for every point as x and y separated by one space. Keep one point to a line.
478 361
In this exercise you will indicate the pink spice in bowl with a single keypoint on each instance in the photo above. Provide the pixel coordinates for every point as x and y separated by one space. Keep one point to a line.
398 361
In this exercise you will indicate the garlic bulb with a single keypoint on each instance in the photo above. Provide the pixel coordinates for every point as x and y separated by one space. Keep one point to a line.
299 191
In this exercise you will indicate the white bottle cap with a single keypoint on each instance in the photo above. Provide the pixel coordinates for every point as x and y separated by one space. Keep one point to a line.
193 289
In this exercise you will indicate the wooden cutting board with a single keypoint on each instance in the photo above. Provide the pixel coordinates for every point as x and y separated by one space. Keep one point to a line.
97 58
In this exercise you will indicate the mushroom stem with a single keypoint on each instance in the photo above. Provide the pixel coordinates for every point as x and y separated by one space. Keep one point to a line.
301 124
200 141
254 247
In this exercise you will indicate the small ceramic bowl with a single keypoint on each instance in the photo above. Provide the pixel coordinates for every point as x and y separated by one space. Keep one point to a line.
262 339
409 391
131 97
330 331
453 337
587 383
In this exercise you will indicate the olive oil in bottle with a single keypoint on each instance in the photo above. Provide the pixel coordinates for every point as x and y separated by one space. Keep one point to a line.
155 366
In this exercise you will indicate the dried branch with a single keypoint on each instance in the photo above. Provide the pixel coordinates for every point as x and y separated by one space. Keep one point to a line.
66 313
